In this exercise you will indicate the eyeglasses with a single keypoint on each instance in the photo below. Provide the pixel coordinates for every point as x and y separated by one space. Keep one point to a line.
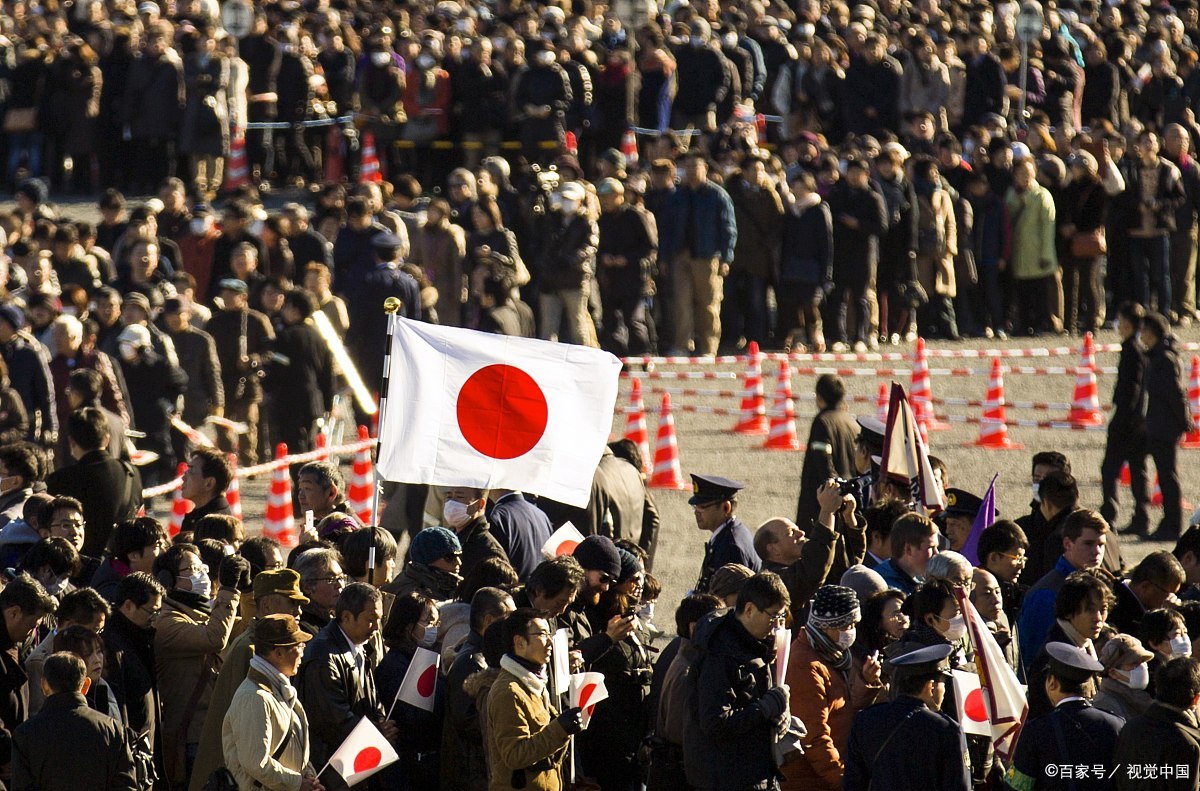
64 523
966 585
151 612
1022 559
606 578
539 635
339 579
778 617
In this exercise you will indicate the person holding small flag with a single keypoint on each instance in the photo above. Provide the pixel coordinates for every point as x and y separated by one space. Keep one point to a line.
265 732
526 737
1073 733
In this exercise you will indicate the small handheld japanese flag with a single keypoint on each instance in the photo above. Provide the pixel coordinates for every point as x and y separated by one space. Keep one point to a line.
420 682
972 712
364 753
783 652
587 689
560 660
562 542
467 408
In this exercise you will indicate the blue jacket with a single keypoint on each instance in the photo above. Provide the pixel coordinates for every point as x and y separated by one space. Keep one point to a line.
713 224
521 528
1037 610
896 577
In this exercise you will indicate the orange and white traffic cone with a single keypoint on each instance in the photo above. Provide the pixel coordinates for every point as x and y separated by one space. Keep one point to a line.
1126 477
1192 438
753 419
635 424
1156 497
783 414
993 431
882 404
629 148
921 393
1085 403
280 523
237 169
369 169
359 493
667 473
180 505
233 492
571 144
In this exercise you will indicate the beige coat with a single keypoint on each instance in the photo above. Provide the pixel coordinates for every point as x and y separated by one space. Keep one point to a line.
187 651
522 734
252 731
936 271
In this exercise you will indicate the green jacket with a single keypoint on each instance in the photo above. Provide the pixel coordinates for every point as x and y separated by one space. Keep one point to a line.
1031 214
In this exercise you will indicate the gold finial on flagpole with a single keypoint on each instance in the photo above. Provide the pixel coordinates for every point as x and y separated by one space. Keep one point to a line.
392 305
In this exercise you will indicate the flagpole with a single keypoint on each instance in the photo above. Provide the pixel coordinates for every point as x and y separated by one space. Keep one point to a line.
391 306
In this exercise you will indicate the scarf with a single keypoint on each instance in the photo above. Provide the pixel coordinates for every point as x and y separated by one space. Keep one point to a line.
1076 638
280 686
191 600
830 652
534 680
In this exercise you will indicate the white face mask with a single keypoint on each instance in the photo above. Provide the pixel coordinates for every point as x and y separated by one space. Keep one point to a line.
424 61
381 58
455 514
730 40
697 41
545 58
1181 646
957 629
1036 490
1139 677
646 612
201 584
128 351
568 207
846 637
199 226
57 587
429 638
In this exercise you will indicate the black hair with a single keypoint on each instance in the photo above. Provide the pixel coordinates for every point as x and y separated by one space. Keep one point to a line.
764 590
692 609
138 587
1080 589
551 577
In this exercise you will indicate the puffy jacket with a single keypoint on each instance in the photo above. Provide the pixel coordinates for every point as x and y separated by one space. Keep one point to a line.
728 742
713 224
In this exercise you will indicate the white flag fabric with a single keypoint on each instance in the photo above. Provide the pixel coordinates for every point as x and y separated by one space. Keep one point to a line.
587 689
420 680
972 711
467 408
905 457
562 541
783 653
364 753
560 660
1003 694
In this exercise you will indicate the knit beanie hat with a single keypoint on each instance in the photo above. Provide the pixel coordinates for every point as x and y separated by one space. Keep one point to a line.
630 565
433 543
599 553
834 607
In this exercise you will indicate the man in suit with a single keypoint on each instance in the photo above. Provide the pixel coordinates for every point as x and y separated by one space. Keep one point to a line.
109 489
831 441
713 503
336 683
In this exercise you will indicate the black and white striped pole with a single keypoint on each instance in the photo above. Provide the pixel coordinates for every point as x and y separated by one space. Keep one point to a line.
392 307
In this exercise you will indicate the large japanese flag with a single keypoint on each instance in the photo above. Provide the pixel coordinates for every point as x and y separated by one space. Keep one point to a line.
468 408
364 753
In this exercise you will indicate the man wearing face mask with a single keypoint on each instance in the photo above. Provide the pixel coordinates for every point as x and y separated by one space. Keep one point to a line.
1093 732
190 633
541 95
820 676
1167 734
884 739
463 513
1126 676
566 268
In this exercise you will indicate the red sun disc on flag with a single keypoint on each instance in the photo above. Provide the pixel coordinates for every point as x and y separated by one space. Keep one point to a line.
566 548
367 758
502 412
974 707
585 695
426 682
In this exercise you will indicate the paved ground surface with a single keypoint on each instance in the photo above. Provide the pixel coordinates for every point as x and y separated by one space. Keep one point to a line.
708 446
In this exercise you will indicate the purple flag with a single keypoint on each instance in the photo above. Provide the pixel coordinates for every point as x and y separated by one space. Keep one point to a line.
983 520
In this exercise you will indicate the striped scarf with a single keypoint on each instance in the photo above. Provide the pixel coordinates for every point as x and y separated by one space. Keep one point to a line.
830 652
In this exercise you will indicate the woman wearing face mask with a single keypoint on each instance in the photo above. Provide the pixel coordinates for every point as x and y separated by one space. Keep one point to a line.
1165 633
826 690
52 562
609 747
412 623
1126 676
190 633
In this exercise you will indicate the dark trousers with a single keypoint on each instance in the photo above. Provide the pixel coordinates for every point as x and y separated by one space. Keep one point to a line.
1036 307
990 297
155 162
744 309
1125 445
1165 453
1085 297
625 326
1148 259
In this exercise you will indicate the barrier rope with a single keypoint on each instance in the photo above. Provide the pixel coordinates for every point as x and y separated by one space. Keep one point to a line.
270 466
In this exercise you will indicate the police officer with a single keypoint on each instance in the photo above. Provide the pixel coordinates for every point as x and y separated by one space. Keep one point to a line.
713 502
367 337
959 516
908 744
1074 733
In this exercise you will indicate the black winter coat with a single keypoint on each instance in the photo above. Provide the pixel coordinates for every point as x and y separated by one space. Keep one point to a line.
1166 403
154 98
1129 394
129 671
110 490
856 250
806 256
66 719
568 257
1163 736
728 741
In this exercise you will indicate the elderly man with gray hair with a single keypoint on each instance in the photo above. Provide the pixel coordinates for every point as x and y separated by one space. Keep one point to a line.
321 580
321 489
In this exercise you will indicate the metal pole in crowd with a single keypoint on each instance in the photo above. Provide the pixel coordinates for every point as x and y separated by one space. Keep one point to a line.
391 306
